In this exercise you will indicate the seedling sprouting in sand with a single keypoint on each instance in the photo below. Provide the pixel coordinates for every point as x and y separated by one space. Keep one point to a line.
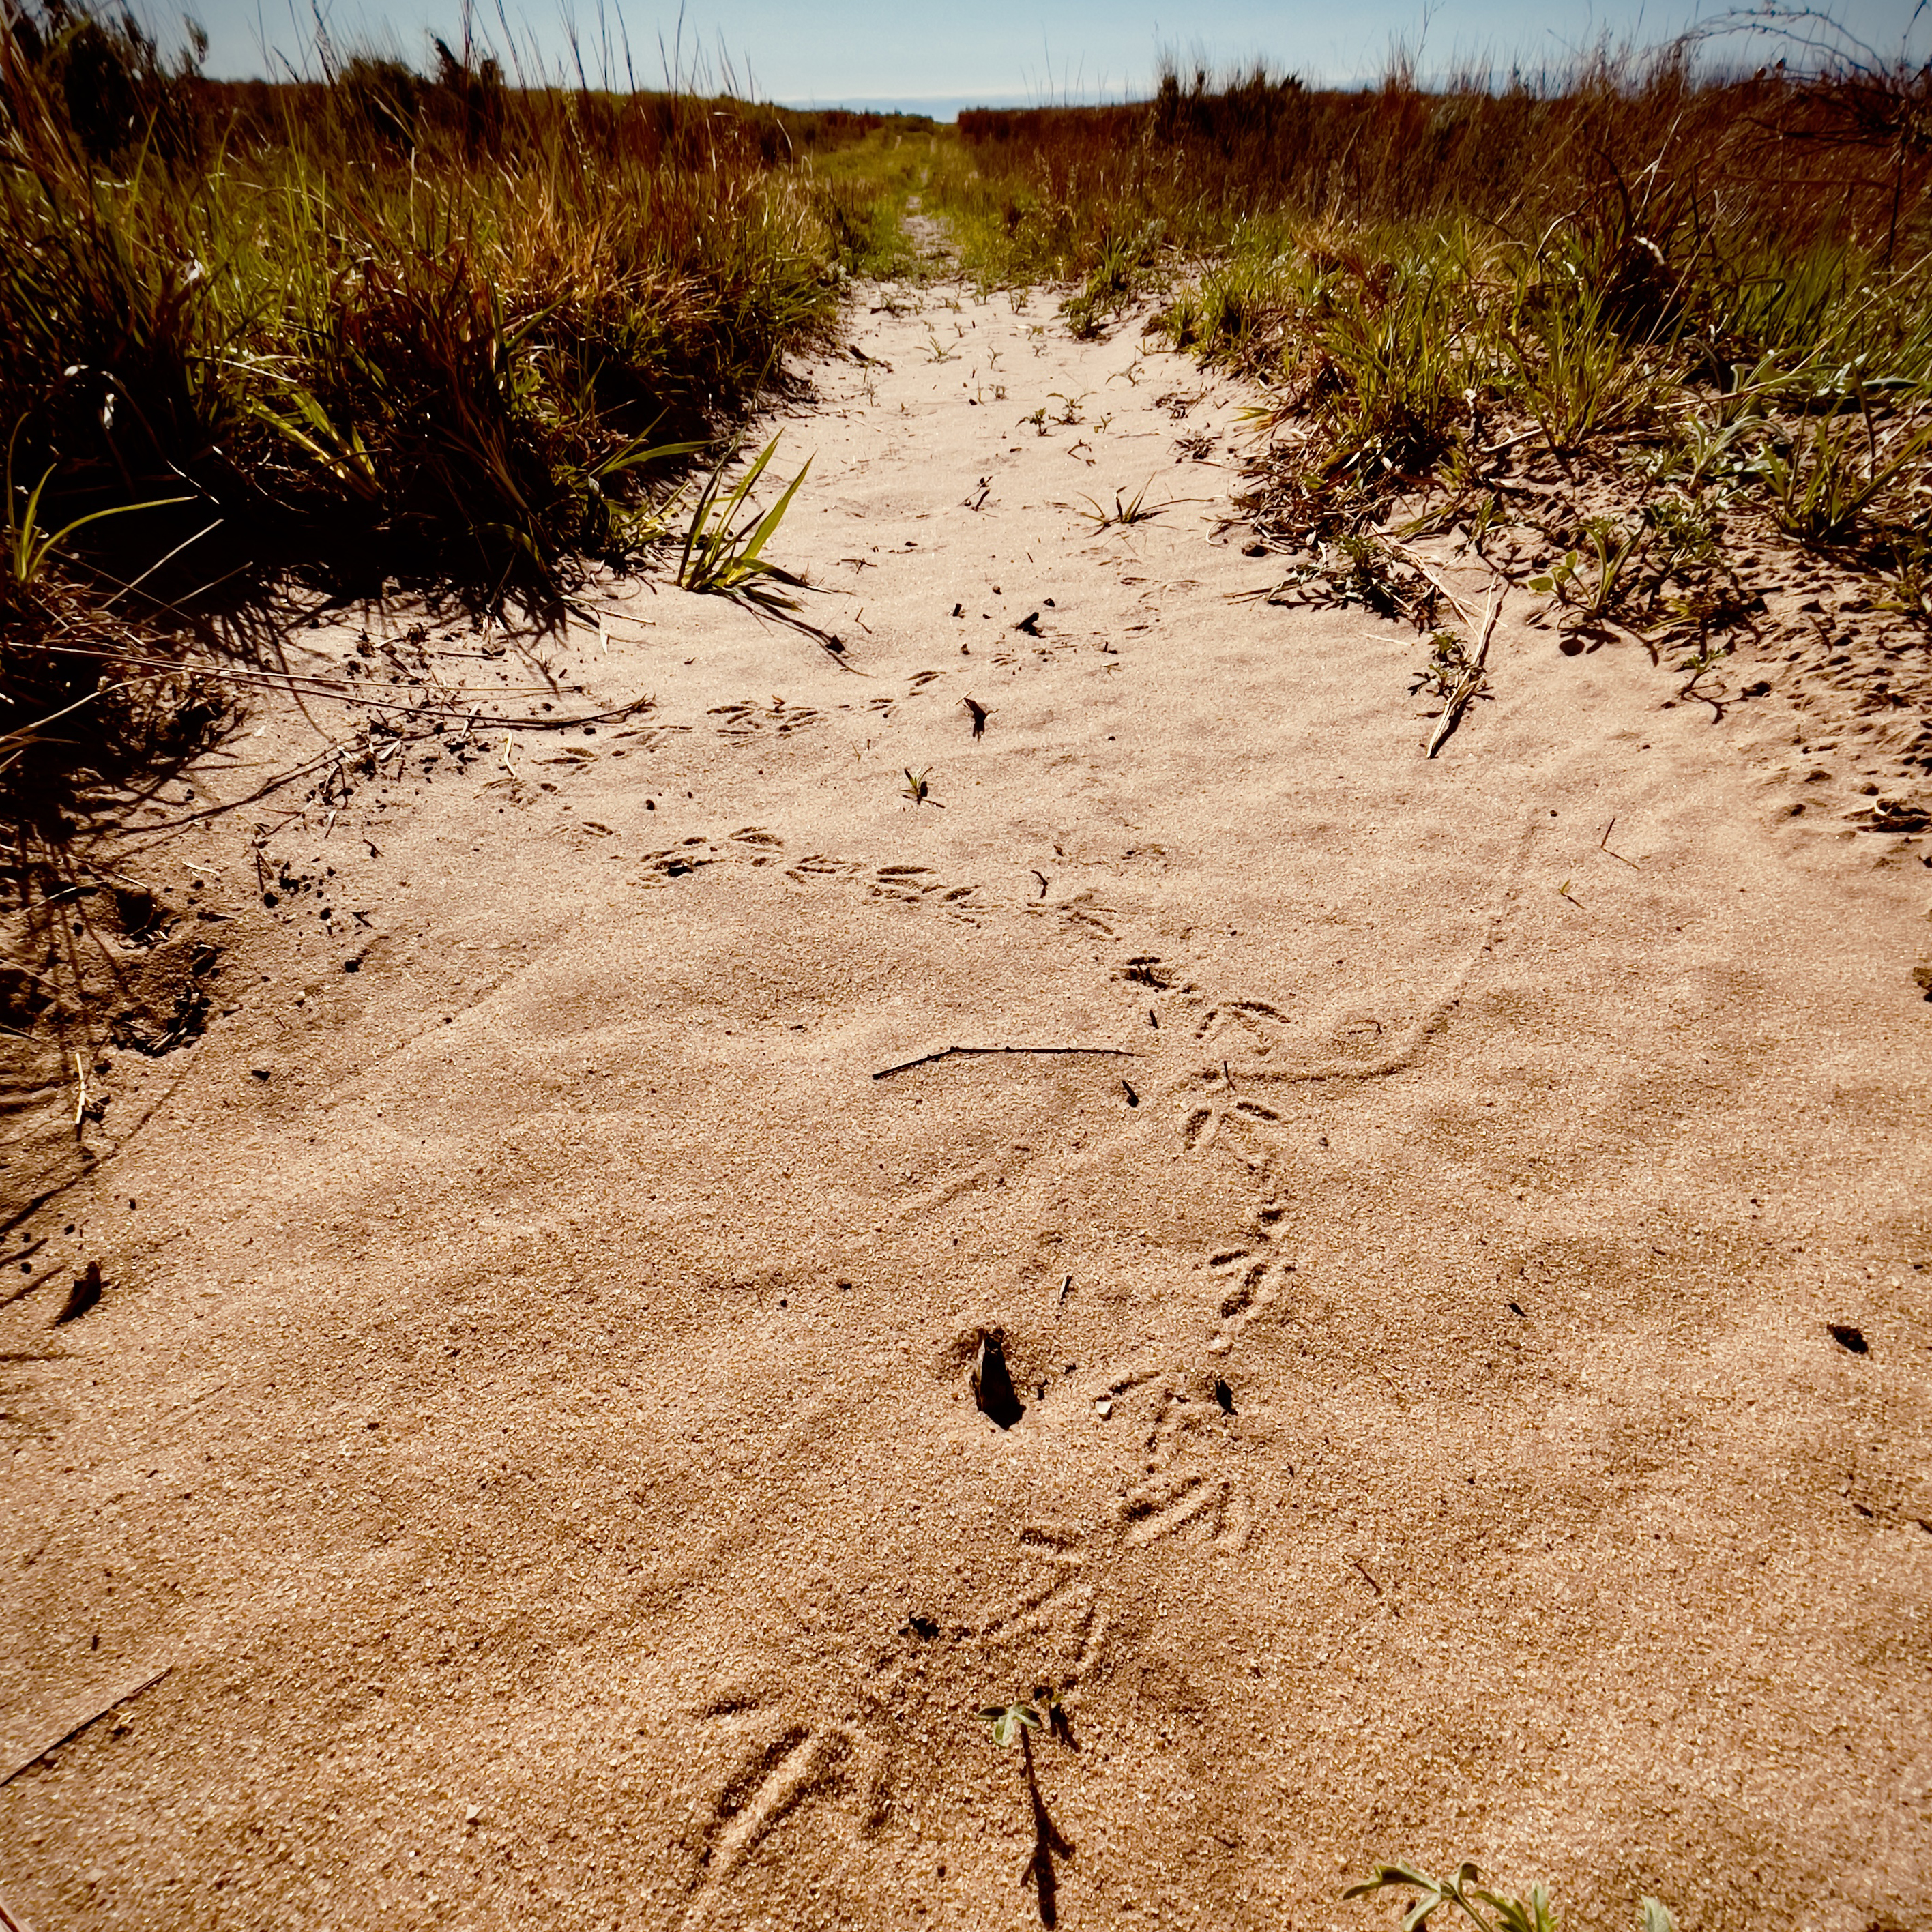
1489 1911
1449 663
1126 510
918 786
1042 1708
1018 1720
1593 583
1007 1720
1709 653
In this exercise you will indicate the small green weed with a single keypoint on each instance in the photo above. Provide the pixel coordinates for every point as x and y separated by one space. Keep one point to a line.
1593 585
721 556
1705 450
1127 510
1008 1720
1355 569
1447 665
1907 586
1043 1708
1488 1911
1819 482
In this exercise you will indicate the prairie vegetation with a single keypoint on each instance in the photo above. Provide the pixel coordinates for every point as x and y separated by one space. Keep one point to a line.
1699 304
450 333
379 329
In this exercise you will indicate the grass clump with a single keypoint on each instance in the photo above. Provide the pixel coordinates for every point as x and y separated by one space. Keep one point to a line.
441 331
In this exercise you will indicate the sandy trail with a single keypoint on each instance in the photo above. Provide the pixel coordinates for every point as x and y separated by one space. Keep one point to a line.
530 1411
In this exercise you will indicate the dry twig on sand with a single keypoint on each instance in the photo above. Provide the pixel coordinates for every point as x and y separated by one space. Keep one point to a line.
1471 681
947 1052
68 1737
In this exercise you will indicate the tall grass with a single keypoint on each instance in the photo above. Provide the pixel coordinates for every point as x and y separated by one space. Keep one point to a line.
1702 296
384 327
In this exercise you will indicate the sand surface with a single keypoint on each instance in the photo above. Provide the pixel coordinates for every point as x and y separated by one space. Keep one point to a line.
530 1415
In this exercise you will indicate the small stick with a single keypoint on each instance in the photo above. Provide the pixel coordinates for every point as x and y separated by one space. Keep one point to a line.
68 1737
1471 682
1371 1581
947 1052
1403 551
1604 845
1065 1288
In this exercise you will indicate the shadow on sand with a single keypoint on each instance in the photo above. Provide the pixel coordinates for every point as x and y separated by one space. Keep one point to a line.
1048 1844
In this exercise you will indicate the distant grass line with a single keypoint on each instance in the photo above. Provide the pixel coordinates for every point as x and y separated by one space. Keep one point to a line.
1787 159
384 329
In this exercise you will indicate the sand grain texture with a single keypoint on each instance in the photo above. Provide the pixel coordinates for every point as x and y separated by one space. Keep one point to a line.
531 1406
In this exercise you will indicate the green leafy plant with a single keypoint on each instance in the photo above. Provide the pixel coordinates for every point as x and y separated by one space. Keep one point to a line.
1578 376
1356 568
1685 533
1709 653
918 786
1395 350
1908 586
1820 482
1447 665
1113 280
1705 449
1482 523
1126 511
721 553
1593 585
1489 1911
1042 1709
1008 1720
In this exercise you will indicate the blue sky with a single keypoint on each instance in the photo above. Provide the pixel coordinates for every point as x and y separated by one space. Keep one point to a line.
873 51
